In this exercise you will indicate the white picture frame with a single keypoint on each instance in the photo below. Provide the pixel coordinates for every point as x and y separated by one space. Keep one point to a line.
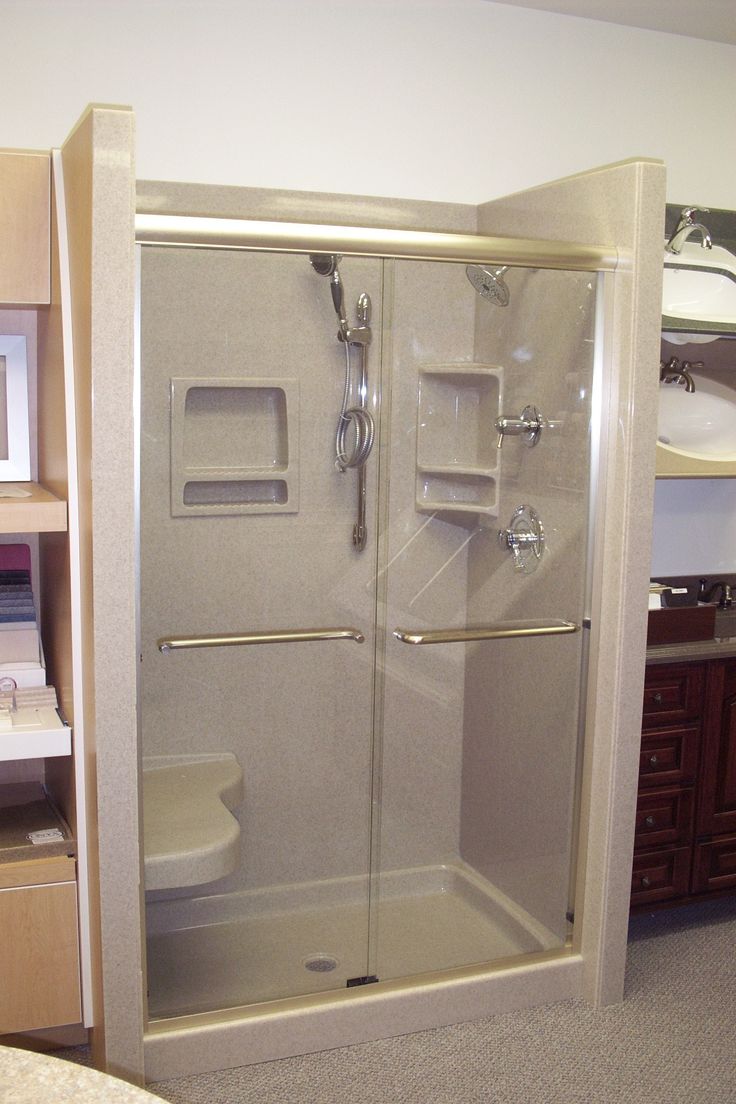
15 445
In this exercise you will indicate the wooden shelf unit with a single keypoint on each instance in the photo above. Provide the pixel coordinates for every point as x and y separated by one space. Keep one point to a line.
42 512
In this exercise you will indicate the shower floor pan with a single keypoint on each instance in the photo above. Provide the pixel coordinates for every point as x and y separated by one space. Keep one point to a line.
239 949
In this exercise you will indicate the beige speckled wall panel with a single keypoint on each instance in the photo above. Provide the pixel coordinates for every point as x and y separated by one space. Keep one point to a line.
99 178
330 208
622 204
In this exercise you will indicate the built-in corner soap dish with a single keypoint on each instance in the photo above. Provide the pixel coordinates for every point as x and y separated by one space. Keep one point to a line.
234 446
457 458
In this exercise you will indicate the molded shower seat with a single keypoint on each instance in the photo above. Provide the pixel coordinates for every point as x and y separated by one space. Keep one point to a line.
190 834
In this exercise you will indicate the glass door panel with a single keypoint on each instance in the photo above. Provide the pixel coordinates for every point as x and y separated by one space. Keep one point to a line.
257 755
480 739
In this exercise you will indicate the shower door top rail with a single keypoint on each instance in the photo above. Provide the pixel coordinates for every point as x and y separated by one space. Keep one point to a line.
363 241
555 627
235 640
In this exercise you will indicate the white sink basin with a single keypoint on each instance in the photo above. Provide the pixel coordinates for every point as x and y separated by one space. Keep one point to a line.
700 284
701 424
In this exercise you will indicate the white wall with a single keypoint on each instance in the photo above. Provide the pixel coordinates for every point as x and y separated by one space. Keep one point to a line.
695 527
459 100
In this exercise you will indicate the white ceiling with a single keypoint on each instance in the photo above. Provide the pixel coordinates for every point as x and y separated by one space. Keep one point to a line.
714 20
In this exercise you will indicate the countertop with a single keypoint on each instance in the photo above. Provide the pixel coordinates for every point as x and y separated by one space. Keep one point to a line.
30 1078
721 648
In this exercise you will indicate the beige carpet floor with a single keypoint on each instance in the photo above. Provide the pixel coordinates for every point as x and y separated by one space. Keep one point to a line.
673 1041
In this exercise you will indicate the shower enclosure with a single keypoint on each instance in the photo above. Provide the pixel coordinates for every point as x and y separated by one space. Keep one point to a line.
361 759
379 780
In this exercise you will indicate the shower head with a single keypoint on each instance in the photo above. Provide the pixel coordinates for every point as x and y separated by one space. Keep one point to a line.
489 283
324 264
327 266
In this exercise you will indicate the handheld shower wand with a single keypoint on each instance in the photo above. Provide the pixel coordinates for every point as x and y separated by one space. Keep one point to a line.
338 299
354 421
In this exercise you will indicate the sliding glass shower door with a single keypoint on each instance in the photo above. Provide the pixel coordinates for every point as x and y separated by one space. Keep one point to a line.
247 531
359 744
483 570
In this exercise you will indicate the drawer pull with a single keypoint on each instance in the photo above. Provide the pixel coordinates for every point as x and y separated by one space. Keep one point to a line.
646 882
653 760
650 821
657 699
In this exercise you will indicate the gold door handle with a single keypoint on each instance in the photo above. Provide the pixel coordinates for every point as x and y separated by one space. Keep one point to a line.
486 632
236 640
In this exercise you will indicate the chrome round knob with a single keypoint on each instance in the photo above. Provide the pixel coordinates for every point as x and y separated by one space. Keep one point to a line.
646 882
657 699
650 821
653 760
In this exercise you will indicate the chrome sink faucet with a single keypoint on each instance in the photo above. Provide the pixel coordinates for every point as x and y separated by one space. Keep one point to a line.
674 372
686 227
726 599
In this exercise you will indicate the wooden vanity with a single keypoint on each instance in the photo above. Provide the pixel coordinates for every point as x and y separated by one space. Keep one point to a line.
685 839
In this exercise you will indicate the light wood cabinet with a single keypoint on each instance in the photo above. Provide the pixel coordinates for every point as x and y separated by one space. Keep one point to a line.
39 965
25 253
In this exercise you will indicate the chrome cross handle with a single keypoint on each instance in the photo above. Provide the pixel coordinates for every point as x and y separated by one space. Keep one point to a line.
529 426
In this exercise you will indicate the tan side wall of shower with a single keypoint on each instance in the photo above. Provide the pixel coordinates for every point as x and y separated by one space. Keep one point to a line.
621 203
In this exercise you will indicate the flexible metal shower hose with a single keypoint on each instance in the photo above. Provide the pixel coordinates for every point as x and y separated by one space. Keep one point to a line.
357 418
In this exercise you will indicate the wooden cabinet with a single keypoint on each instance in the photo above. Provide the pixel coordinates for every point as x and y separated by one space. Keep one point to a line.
40 979
685 836
39 965
717 808
25 253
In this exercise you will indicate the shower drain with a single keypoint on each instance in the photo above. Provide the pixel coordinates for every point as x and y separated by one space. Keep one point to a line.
320 963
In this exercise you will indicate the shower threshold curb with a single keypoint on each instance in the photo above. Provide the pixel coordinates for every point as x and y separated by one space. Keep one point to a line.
284 1029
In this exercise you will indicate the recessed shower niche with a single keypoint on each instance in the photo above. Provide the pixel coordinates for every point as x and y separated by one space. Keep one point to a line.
457 458
234 446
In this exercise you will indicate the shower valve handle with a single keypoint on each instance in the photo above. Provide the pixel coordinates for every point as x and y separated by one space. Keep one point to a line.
529 426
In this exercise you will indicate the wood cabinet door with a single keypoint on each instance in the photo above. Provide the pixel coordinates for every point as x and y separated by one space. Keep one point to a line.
39 957
673 692
717 806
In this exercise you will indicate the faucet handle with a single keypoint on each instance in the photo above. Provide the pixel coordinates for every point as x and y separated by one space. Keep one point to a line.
688 213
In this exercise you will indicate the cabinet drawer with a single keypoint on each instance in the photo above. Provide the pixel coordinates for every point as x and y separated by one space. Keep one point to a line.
672 693
39 957
660 875
669 756
714 865
663 816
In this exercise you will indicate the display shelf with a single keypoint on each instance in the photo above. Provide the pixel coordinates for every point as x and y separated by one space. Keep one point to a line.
35 734
38 512
31 826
